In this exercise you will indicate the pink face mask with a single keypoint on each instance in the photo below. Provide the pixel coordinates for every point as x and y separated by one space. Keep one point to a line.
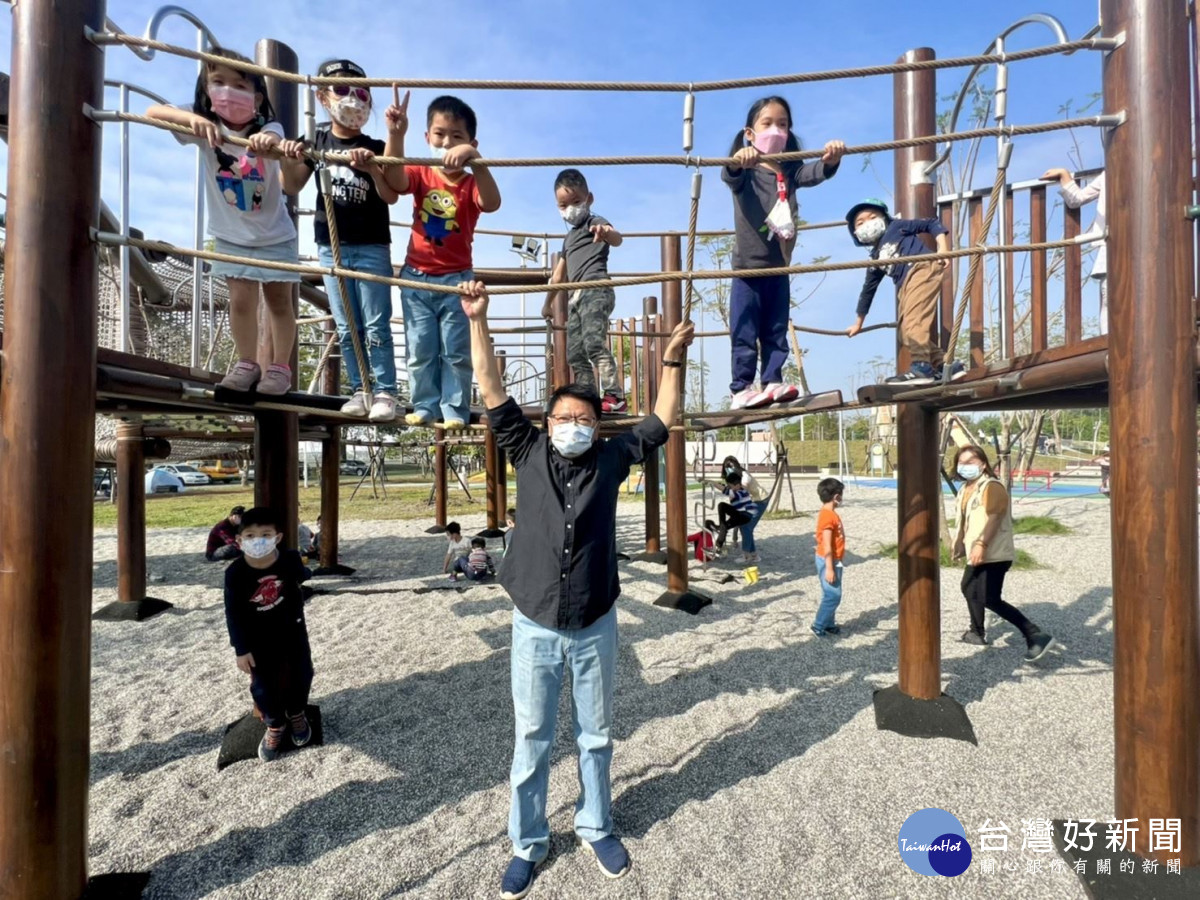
234 106
770 140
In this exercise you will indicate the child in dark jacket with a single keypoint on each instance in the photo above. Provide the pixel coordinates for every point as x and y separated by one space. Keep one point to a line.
264 611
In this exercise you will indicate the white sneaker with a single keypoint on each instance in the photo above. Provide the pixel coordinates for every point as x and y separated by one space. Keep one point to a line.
742 398
760 398
781 393
383 409
357 405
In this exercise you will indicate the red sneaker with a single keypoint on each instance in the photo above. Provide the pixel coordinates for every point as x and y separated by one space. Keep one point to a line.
611 403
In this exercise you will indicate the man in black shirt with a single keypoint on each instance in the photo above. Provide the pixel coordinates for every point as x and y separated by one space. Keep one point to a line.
561 572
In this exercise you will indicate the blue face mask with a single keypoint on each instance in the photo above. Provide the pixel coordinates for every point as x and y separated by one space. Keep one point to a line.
572 440
969 472
258 547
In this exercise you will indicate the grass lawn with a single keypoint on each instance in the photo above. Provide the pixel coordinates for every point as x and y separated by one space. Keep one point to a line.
1039 525
1024 559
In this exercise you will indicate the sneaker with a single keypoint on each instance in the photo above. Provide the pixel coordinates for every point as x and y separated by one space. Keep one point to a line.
301 730
518 878
417 420
383 409
454 576
270 746
452 424
1038 645
611 856
920 373
742 398
834 629
613 404
760 399
819 632
750 557
242 377
781 393
971 637
957 371
357 405
276 381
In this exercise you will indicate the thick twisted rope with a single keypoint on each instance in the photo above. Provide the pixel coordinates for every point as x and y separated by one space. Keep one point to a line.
974 266
691 247
111 238
334 158
323 361
130 40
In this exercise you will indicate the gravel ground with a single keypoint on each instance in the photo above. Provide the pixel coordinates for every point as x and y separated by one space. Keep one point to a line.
747 761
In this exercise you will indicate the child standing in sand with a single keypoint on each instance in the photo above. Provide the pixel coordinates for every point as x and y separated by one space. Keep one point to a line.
831 547
264 612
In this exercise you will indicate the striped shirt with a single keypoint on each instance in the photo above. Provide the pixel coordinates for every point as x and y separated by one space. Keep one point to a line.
480 560
740 499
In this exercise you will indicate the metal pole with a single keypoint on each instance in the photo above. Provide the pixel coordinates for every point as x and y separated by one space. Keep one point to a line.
331 457
198 231
918 487
1003 152
1152 391
676 451
123 324
650 391
46 524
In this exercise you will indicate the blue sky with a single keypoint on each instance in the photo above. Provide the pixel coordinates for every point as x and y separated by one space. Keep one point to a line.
693 41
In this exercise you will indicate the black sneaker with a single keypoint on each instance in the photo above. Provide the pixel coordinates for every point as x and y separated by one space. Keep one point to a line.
834 629
518 878
971 637
920 373
1038 645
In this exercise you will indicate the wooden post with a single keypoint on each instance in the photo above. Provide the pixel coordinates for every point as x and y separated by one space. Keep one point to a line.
277 434
439 486
558 318
975 304
1072 280
947 300
635 387
1008 307
1037 269
492 474
650 465
331 457
131 512
47 422
1152 367
619 328
677 595
916 427
501 485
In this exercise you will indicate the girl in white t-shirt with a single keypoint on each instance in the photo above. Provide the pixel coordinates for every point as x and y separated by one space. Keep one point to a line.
247 216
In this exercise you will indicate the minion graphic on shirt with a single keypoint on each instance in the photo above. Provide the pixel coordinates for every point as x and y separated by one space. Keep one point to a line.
439 216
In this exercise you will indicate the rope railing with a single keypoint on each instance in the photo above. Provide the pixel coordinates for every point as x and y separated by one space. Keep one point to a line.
953 62
338 158
116 240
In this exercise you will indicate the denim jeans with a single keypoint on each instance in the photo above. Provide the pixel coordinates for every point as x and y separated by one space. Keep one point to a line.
758 319
438 344
372 304
538 656
831 594
462 566
760 507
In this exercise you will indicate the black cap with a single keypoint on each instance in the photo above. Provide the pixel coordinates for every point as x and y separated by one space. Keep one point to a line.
340 67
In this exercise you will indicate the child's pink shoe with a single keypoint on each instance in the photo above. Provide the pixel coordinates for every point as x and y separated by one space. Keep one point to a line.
242 377
277 381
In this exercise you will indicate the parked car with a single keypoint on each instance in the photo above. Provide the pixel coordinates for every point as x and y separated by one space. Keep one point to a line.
185 473
219 470
353 467
160 481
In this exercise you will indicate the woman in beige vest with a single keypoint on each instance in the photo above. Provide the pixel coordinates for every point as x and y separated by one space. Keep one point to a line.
985 537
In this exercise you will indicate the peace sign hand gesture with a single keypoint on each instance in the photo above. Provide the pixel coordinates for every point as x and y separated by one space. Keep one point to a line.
396 115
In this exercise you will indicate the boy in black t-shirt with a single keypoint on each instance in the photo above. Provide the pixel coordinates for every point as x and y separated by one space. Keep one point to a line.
585 258
360 205
264 610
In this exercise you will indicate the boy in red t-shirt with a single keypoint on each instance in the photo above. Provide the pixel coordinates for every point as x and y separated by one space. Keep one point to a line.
831 547
447 201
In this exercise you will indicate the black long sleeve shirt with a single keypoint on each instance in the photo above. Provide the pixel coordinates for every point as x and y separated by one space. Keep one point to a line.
900 239
264 608
561 566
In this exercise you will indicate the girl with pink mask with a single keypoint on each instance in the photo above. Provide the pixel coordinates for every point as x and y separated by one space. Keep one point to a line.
764 215
247 216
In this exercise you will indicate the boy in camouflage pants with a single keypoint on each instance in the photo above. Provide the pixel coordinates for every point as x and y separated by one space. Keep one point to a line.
585 258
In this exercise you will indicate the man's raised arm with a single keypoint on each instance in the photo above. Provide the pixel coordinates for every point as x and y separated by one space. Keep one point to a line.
670 390
487 374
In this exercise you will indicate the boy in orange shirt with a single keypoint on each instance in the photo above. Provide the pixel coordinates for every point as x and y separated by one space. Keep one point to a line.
447 201
831 547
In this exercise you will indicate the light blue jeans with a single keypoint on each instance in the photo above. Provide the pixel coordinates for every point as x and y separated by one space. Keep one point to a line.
831 594
438 342
372 303
538 657
760 507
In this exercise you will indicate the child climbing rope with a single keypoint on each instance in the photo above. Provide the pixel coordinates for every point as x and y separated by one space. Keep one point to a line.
918 285
447 201
764 221
360 197
246 213
585 258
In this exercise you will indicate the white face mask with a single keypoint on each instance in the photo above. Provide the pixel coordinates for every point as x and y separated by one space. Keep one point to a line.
969 472
870 231
258 547
350 112
572 440
436 152
574 215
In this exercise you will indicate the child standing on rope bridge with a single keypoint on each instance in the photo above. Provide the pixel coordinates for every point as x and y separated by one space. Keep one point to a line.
447 202
918 285
360 197
585 258
264 611
246 213
764 222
